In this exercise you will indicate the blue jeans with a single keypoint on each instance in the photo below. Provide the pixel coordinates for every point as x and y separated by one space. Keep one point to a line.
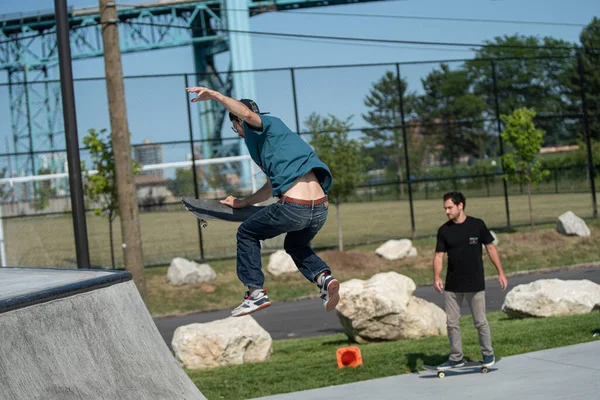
301 222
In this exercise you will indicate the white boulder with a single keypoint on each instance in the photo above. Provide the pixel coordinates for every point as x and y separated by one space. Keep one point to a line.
396 249
552 297
230 341
182 271
281 263
383 308
571 224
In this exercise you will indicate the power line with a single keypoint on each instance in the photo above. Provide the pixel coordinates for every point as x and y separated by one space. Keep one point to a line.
373 45
46 33
414 17
324 37
360 39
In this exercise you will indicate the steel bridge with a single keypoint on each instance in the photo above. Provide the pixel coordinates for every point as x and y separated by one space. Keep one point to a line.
29 54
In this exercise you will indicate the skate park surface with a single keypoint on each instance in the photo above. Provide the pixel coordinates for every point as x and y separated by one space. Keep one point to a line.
71 334
82 334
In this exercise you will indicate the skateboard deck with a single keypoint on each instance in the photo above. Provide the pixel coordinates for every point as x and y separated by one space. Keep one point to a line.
468 365
206 210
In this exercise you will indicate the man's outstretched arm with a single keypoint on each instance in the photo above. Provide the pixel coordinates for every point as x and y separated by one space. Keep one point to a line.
232 105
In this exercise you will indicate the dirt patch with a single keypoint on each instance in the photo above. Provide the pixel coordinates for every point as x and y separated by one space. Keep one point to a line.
353 263
536 241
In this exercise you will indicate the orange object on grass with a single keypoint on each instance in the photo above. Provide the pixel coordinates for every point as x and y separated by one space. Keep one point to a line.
348 357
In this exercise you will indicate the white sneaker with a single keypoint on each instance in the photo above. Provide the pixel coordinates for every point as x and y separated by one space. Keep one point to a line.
329 292
252 304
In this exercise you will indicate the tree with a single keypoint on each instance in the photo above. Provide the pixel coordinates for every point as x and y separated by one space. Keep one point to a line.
452 114
183 184
523 164
532 77
383 104
343 157
101 187
590 60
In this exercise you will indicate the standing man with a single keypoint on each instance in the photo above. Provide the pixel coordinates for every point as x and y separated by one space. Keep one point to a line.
461 237
299 179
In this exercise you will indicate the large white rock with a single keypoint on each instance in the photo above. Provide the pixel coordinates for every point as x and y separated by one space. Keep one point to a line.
230 341
571 224
551 297
182 271
396 249
383 308
281 263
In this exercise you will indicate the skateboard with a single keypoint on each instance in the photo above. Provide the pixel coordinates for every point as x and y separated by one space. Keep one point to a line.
206 210
468 365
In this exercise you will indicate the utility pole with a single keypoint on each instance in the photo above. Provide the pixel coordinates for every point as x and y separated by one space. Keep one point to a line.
72 141
128 205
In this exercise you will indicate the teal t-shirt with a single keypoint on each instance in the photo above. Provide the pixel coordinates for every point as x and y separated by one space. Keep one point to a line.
283 155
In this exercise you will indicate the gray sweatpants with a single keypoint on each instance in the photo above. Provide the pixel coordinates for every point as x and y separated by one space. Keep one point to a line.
477 304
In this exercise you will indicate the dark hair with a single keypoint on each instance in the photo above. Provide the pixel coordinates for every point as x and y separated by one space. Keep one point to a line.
251 104
456 197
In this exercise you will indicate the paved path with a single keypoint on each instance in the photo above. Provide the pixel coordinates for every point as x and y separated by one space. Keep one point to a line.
571 372
306 318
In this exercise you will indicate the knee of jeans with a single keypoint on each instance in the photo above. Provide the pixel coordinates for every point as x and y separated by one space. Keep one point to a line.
242 233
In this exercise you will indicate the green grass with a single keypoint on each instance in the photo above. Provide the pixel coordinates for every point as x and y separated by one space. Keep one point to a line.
302 364
519 251
48 241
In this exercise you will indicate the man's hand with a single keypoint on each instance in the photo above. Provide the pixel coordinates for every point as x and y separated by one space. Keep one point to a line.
438 284
232 202
202 92
503 281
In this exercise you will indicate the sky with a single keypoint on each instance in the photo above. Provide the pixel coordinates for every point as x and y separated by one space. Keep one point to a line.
157 109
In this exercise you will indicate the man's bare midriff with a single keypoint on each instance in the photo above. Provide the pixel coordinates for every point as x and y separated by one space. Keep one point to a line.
307 187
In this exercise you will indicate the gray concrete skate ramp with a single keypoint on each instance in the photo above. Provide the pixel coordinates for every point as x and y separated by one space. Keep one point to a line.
74 334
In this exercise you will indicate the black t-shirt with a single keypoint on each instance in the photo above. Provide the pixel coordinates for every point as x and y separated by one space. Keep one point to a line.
463 243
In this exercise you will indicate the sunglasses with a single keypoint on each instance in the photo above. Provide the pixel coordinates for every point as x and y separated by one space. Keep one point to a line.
233 128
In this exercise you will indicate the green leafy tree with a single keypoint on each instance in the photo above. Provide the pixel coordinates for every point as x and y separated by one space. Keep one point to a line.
343 157
590 59
383 111
100 187
532 77
183 183
523 164
452 113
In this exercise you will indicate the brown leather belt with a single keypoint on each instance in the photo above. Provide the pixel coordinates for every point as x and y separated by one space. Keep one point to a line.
301 201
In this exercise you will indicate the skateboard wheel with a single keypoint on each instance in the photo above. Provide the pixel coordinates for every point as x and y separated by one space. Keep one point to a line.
441 374
484 370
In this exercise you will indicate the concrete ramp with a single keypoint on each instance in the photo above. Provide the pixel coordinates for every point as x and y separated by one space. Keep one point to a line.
80 334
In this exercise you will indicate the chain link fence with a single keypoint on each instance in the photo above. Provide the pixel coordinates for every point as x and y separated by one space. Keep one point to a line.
427 127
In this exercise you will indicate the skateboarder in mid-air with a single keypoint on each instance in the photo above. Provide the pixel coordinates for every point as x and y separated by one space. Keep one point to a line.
300 181
461 237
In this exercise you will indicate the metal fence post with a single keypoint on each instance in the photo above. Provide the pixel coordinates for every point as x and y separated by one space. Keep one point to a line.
405 146
293 73
586 128
499 128
196 192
